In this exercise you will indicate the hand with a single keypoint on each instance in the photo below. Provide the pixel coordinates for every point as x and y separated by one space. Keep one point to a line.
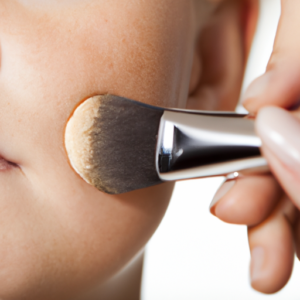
259 201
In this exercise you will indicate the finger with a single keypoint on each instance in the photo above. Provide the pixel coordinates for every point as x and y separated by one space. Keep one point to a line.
279 86
280 131
272 250
247 201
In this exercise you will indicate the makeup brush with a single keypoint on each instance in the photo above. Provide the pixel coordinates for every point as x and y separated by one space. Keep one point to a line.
119 145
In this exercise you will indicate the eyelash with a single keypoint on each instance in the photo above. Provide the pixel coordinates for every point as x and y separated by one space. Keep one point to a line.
6 165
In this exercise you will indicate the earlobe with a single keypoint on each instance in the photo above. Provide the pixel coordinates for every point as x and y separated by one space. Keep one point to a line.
221 54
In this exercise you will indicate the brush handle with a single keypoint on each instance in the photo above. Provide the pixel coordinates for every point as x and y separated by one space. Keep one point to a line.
202 144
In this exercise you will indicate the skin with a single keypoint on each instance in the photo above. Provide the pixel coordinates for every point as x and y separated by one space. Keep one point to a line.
59 236
272 211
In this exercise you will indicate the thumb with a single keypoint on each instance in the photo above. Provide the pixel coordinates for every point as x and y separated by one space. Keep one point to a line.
280 86
280 134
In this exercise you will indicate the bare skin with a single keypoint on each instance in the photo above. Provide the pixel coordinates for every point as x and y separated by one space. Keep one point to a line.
60 237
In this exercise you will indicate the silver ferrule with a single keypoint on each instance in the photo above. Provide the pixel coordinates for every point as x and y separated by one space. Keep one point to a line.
203 144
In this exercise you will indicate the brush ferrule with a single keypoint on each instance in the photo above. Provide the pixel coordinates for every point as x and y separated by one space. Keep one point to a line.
201 144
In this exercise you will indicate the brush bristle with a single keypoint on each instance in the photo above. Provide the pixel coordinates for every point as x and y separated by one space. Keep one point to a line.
111 143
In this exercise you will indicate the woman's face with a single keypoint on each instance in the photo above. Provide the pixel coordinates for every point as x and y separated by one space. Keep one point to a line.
56 231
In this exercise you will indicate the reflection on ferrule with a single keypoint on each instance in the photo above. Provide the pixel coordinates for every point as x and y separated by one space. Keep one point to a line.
168 137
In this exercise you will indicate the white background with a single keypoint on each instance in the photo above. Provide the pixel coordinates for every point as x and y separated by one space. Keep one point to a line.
193 255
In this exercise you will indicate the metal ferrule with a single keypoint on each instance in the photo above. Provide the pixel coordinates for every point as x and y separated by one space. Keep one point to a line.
202 144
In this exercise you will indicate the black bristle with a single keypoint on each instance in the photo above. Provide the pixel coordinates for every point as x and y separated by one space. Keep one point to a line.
124 144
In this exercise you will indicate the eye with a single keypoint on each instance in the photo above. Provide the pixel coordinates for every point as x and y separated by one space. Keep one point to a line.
6 165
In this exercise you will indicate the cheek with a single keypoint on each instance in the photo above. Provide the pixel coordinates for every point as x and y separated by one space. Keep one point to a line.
53 228
119 49
98 234
103 228
67 57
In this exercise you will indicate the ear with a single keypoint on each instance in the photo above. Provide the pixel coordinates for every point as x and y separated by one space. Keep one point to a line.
221 54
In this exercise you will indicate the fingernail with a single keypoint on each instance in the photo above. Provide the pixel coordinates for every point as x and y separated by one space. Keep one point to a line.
257 87
257 261
221 192
279 131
